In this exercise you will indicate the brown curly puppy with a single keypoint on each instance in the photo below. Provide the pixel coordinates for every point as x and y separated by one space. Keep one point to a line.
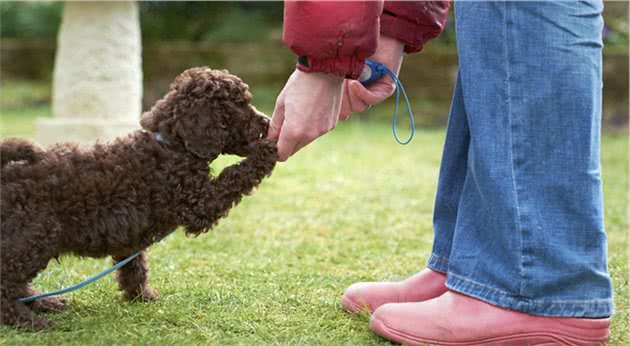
119 198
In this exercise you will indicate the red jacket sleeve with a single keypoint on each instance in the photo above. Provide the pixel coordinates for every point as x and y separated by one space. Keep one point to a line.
414 22
336 37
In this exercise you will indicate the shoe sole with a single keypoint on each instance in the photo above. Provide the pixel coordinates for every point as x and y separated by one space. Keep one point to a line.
529 339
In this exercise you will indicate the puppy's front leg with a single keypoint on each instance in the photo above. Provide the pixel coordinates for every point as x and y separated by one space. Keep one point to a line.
132 279
226 190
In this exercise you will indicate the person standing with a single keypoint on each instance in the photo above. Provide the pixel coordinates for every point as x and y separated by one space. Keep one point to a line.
520 251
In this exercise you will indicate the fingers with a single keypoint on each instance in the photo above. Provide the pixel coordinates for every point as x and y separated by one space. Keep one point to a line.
288 138
358 98
302 142
374 94
307 107
285 137
293 139
277 119
286 143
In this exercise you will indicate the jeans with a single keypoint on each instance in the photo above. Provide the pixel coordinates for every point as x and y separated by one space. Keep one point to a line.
518 216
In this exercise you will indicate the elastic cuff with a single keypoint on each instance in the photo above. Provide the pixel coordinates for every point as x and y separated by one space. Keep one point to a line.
348 67
407 32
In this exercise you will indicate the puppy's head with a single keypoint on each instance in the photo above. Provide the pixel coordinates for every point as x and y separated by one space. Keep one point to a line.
207 112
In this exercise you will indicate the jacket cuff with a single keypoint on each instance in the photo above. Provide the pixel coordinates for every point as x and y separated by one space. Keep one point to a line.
347 66
411 34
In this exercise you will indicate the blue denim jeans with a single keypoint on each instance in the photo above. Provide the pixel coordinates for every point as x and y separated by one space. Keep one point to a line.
518 216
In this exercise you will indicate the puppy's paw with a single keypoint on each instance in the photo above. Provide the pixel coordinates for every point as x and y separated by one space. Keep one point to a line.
266 152
40 324
267 148
49 304
150 294
33 324
146 295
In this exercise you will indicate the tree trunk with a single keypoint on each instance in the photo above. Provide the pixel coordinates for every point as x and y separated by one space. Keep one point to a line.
97 79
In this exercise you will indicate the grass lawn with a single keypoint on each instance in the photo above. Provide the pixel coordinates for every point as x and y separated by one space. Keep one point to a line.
354 206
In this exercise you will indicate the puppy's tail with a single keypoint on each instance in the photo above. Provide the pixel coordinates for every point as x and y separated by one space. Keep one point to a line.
20 149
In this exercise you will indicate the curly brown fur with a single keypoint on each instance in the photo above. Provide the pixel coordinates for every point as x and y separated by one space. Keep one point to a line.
20 149
119 198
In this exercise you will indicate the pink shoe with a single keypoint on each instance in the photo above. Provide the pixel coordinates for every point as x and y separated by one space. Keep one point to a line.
456 319
362 296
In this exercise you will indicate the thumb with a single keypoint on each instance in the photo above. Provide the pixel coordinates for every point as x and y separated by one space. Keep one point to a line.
276 119
372 96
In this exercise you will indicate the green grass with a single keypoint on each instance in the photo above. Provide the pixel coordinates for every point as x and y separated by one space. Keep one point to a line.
353 206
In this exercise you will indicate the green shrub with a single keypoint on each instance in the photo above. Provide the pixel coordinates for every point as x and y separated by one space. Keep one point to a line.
30 19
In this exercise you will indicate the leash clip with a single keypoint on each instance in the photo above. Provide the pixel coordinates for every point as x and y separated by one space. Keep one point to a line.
371 72
374 70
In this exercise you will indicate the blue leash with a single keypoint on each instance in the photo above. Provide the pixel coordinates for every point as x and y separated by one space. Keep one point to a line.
374 70
82 283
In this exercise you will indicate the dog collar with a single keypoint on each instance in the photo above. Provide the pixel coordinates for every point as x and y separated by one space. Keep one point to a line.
158 138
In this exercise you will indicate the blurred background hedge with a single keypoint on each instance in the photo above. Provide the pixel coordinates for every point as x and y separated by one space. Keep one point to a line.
245 37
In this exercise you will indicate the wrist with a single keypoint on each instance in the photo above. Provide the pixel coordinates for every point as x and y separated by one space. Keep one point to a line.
343 66
320 77
390 52
391 44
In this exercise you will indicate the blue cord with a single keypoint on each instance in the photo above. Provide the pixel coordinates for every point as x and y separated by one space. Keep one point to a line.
377 70
82 283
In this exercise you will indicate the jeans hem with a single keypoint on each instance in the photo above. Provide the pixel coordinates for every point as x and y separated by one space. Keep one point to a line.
438 263
574 308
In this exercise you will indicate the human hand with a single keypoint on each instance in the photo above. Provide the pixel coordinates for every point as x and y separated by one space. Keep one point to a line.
306 108
356 97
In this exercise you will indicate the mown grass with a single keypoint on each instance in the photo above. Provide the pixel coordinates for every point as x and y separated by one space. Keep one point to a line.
353 206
